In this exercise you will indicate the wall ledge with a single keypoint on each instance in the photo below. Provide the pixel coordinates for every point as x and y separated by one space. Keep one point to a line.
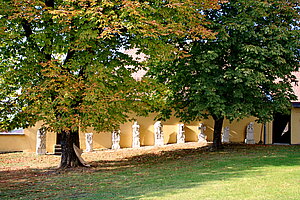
12 134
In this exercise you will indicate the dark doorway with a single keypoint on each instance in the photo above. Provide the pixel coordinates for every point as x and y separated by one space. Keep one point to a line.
282 128
58 138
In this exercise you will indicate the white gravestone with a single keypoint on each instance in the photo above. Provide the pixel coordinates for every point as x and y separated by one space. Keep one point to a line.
89 142
116 140
158 134
250 134
136 135
41 141
225 136
180 134
202 136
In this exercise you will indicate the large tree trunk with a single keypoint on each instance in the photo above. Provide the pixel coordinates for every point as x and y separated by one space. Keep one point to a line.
217 142
68 156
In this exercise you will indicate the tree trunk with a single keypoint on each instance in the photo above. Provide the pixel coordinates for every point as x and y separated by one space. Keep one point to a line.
217 142
68 156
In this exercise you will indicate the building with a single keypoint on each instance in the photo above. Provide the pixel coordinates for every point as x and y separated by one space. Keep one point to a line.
285 129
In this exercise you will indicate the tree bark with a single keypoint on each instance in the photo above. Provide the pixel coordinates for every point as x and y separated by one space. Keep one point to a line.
217 142
68 157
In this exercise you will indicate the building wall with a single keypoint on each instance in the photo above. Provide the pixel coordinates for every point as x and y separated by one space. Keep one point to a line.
24 142
295 126
237 132
50 141
102 140
269 133
17 142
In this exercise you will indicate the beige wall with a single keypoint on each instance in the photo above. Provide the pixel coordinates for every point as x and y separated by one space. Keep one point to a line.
24 142
269 133
100 140
27 142
50 141
17 142
103 140
237 131
295 126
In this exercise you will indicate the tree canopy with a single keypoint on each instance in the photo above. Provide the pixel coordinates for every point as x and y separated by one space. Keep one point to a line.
244 71
63 62
66 56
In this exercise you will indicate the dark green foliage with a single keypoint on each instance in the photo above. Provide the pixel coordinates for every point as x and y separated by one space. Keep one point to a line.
245 71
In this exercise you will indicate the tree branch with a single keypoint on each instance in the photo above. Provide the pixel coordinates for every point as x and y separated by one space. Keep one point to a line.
49 3
69 56
26 26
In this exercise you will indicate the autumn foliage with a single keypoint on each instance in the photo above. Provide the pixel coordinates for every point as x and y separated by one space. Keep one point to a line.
63 61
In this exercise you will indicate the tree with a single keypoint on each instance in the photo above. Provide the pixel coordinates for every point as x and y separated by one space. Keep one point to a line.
62 61
245 71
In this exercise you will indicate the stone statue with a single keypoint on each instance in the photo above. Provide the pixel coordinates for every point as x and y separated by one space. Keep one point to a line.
180 134
41 141
89 142
202 136
158 134
250 134
136 135
116 140
225 136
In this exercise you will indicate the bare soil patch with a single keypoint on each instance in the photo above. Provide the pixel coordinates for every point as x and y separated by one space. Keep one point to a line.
27 161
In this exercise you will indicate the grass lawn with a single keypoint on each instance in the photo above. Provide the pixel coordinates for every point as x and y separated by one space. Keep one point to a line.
238 172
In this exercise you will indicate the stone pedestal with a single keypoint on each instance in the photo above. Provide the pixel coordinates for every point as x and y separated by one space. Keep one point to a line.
202 136
89 142
136 135
41 142
250 134
116 140
180 134
158 134
225 135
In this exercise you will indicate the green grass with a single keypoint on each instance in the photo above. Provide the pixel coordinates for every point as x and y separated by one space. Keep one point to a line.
237 172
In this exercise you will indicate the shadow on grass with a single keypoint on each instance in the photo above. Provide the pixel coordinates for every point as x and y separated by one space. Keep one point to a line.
148 174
